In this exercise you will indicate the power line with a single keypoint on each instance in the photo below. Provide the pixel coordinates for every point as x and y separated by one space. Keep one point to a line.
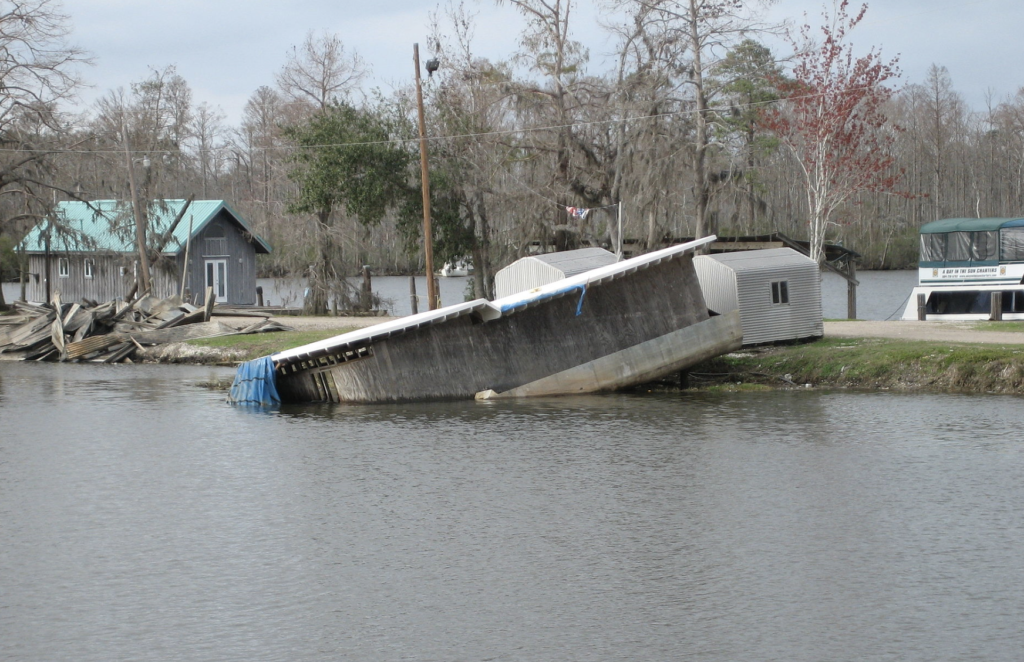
403 141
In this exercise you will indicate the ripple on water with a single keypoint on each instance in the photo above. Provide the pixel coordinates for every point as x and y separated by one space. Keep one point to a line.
145 519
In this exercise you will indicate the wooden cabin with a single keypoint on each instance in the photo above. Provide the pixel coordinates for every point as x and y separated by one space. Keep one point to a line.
87 250
777 291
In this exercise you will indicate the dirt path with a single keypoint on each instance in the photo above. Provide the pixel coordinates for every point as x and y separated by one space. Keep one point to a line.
951 332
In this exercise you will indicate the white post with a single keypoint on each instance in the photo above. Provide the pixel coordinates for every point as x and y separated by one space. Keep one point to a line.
188 245
619 253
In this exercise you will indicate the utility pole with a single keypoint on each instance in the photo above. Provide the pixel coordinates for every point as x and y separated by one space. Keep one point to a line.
428 241
140 223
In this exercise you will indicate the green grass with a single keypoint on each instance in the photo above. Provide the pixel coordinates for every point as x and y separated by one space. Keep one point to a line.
261 344
1016 327
875 363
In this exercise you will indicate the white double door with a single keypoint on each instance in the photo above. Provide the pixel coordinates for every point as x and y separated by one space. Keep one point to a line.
217 278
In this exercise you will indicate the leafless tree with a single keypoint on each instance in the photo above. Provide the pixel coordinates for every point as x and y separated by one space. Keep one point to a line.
320 71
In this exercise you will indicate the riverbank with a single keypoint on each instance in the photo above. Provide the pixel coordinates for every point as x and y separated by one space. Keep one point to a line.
972 357
871 363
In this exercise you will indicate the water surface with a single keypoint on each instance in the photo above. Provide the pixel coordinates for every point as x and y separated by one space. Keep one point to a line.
145 519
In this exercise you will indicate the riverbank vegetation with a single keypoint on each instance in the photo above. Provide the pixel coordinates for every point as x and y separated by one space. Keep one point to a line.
230 350
854 363
870 363
692 126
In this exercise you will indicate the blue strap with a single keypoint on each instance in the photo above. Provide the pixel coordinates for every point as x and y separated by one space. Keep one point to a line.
579 306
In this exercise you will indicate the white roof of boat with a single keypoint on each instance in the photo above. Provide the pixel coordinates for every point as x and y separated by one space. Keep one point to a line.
490 310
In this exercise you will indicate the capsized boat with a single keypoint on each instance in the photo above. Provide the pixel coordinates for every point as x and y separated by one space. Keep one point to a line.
609 328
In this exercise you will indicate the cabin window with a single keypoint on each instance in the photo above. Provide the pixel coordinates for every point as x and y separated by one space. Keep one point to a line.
985 246
63 268
958 247
780 292
88 267
216 243
933 247
1012 240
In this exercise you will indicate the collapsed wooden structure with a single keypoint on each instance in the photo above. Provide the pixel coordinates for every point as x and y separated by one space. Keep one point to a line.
111 332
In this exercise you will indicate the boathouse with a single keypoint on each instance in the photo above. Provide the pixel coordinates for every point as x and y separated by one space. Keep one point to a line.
777 291
535 270
87 250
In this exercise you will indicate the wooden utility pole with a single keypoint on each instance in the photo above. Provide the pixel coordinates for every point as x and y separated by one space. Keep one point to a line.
428 241
140 221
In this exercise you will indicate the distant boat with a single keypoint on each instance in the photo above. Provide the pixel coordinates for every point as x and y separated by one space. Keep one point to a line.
963 262
459 268
608 328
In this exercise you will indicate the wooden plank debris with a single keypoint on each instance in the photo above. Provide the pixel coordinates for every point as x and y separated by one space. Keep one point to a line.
111 332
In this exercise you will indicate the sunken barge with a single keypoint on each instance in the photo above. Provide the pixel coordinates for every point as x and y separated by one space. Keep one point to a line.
605 329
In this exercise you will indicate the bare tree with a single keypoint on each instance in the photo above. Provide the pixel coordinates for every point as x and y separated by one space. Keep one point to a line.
321 71
36 72
208 133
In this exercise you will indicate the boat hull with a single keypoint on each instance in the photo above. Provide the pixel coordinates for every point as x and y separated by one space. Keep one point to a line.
965 302
657 312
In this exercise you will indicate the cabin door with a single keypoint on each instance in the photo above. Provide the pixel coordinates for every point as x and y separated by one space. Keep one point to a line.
217 278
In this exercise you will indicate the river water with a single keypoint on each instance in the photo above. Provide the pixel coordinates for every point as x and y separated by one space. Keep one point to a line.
143 518
881 295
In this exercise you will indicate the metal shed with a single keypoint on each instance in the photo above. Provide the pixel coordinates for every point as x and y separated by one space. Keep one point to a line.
777 291
536 270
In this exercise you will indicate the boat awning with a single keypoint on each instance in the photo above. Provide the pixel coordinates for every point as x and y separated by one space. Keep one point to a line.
970 225
487 310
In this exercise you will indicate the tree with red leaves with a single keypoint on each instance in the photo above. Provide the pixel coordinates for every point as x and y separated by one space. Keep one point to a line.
833 120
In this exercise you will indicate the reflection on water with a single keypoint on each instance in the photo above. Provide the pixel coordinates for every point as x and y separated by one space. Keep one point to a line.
145 519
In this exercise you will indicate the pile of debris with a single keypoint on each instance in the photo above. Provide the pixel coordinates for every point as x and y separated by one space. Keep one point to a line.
111 332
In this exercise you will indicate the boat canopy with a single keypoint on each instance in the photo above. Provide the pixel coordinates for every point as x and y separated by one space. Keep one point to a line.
972 241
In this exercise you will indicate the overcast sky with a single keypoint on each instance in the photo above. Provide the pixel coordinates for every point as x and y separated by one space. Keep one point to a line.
225 49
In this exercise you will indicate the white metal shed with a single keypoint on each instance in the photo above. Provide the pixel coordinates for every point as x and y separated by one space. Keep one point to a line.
777 291
536 270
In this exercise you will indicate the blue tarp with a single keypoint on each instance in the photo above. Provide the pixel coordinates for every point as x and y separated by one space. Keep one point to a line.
255 384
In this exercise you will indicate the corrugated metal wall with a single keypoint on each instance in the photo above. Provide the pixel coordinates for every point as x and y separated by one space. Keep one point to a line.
524 274
536 270
718 283
744 280
764 321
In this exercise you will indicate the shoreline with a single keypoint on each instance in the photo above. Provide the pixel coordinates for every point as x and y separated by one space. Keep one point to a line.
950 357
947 357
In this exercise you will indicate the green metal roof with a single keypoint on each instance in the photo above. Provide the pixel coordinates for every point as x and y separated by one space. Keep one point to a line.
970 225
108 225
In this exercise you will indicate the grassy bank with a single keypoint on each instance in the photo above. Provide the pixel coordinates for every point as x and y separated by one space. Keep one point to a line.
229 350
857 363
870 363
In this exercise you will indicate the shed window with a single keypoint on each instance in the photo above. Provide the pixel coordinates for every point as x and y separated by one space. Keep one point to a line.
780 291
88 267
63 268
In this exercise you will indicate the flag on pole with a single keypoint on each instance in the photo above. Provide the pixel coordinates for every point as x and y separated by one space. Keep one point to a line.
577 212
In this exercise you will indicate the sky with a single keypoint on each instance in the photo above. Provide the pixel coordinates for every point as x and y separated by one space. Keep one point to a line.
225 49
